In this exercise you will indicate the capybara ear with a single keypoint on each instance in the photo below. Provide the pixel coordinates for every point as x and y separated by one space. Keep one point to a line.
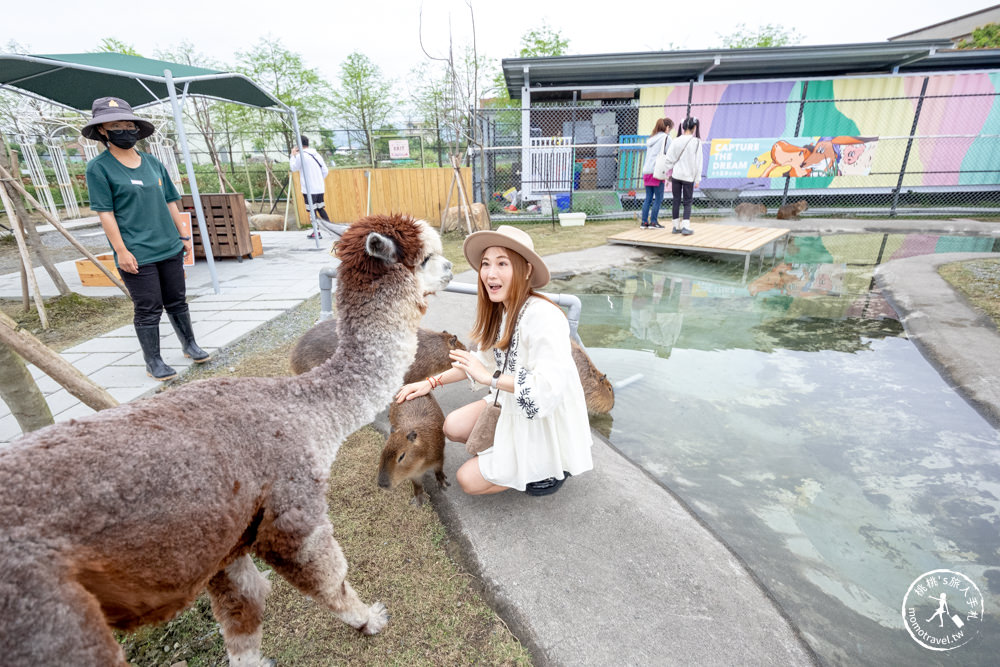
411 436
453 340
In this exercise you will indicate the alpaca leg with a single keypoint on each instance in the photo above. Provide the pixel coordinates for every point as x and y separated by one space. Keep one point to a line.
237 595
316 566
50 620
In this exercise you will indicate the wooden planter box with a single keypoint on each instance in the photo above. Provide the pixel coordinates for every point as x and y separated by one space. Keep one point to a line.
227 223
91 276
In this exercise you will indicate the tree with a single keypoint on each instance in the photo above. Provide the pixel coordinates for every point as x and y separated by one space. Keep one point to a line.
543 41
364 98
203 113
984 37
537 43
284 74
113 45
761 37
20 392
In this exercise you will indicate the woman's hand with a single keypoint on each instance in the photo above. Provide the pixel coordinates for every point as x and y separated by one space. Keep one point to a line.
469 363
413 390
127 262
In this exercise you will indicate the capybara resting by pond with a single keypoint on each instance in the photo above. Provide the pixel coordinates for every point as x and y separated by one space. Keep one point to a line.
415 445
319 343
597 389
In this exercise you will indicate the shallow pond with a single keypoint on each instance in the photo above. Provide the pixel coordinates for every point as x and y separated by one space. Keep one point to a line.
793 416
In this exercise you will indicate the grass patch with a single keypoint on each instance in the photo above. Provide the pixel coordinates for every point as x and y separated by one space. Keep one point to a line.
979 281
73 318
548 239
397 553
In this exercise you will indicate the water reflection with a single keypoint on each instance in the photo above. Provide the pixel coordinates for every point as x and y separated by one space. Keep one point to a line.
793 416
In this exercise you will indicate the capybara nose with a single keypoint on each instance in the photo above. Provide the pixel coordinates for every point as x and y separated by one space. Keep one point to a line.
383 480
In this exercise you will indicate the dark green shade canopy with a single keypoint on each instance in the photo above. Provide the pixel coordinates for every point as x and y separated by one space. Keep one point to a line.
74 80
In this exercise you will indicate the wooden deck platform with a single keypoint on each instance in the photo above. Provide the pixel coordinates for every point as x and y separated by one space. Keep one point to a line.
708 237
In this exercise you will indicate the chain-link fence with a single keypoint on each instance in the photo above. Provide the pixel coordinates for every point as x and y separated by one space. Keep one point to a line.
911 146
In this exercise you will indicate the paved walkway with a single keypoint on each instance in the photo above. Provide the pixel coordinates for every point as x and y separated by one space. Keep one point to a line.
252 292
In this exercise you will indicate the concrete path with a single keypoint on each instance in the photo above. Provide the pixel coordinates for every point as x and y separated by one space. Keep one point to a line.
252 292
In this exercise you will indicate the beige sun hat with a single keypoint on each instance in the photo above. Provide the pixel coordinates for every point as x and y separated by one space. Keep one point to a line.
511 238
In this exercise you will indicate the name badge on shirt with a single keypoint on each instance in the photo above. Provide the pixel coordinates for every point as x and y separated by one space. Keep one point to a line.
136 182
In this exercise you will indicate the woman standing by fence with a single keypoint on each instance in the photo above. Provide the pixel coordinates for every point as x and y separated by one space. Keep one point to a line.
656 145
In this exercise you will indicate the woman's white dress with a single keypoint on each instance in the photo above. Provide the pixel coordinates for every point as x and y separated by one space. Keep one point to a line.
543 428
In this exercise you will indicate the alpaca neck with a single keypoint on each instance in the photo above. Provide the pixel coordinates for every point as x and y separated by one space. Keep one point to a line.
376 343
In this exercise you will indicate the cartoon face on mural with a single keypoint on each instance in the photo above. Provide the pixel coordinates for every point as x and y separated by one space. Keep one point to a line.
856 158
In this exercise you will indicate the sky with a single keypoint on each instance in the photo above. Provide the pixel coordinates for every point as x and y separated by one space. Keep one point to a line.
387 31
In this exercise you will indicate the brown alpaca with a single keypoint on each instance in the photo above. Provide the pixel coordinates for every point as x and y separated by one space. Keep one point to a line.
319 343
597 388
415 445
747 212
791 211
122 518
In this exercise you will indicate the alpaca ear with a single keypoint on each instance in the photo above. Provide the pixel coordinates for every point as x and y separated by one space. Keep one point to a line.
381 247
411 436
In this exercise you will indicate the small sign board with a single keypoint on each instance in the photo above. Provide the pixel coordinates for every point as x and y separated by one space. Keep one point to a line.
186 225
399 149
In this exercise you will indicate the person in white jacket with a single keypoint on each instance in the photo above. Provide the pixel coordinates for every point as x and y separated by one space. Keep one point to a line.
524 356
685 157
657 144
312 179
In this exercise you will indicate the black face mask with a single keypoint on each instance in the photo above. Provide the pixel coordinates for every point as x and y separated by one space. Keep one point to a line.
123 138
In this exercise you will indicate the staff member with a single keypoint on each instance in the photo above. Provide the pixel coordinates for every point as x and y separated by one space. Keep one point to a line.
136 202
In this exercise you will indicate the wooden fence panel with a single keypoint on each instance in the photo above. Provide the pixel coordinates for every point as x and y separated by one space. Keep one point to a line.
421 193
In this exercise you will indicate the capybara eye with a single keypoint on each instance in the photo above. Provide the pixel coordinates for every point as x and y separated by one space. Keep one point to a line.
400 457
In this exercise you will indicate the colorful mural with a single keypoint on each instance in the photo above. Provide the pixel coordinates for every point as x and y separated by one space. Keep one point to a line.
813 157
957 133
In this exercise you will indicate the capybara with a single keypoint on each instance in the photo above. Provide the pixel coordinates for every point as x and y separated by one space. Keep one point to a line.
791 211
415 445
747 212
597 388
319 343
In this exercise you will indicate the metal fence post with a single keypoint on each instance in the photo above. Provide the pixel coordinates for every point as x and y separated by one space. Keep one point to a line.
909 145
798 128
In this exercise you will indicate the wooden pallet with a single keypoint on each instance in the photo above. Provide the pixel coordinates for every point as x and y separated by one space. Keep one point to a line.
227 224
711 238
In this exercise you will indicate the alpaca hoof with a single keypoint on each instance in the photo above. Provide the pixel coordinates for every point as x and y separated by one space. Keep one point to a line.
378 616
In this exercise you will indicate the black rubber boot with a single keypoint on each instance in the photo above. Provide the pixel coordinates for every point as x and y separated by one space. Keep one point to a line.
185 333
149 339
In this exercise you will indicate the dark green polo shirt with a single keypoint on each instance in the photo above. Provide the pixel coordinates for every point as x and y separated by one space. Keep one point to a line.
138 198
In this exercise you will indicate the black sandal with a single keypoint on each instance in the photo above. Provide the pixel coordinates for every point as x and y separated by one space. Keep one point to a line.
546 486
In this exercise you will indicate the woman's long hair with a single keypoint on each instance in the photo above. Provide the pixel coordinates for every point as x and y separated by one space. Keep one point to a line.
489 314
663 125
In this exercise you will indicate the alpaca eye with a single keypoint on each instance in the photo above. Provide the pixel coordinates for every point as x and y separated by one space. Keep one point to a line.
400 457
426 259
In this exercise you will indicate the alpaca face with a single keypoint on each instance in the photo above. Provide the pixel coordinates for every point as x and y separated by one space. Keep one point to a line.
434 272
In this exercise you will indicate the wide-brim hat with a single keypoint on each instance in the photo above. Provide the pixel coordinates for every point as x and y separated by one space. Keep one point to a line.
511 238
110 110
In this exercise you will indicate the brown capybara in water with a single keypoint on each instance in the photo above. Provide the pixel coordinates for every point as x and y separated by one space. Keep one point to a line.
597 388
415 445
746 212
791 211
319 343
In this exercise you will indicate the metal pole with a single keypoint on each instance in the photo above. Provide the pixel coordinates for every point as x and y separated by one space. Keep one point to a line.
798 128
206 242
302 173
909 145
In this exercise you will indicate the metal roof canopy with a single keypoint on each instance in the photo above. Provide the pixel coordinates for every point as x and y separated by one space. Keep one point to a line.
665 67
74 80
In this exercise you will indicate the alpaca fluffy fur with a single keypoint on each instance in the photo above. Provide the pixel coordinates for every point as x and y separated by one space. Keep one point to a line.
121 518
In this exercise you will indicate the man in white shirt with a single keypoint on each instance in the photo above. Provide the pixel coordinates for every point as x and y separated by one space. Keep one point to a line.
312 179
